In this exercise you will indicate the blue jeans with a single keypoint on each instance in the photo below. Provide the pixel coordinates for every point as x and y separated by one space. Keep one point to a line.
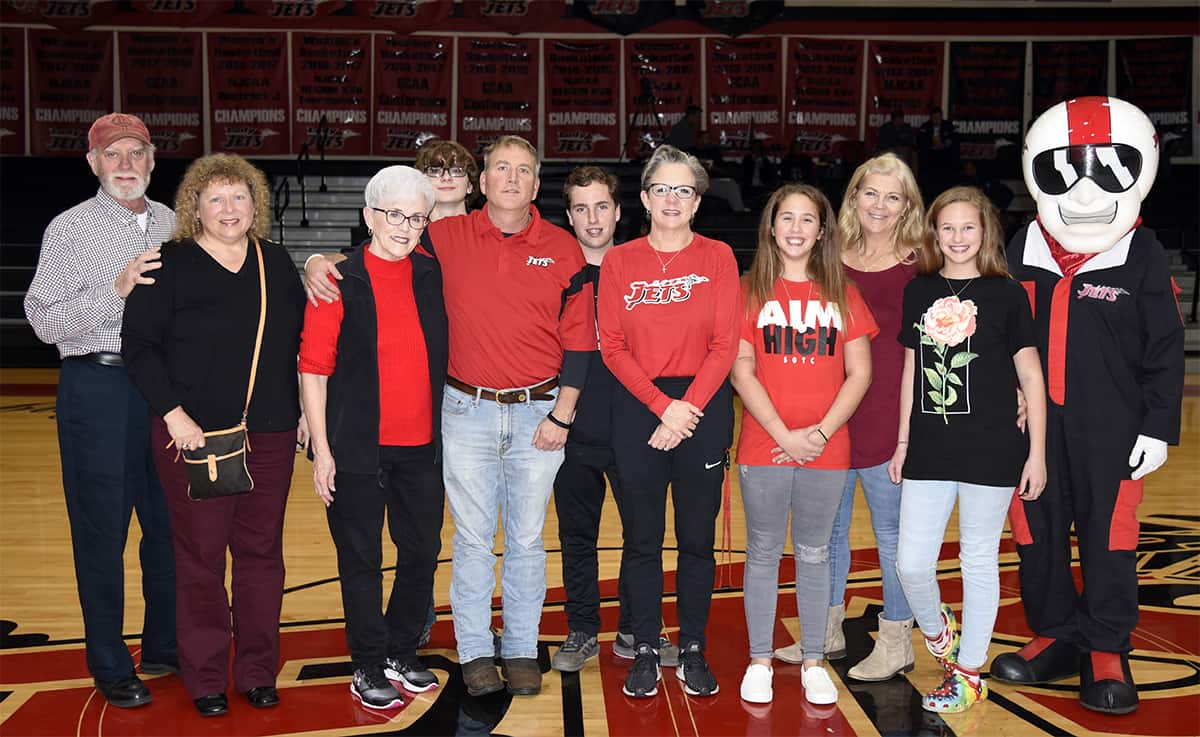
492 472
883 499
923 516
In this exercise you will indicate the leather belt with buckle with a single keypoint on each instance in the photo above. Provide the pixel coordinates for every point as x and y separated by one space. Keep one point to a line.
507 396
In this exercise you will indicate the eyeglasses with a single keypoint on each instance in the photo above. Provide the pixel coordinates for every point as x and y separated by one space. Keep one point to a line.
682 191
435 172
416 221
1114 168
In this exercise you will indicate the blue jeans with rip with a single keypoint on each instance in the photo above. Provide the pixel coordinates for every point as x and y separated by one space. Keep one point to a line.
493 472
883 499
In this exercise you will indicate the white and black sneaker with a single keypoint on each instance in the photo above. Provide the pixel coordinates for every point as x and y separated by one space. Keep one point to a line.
693 670
668 655
411 673
642 679
373 690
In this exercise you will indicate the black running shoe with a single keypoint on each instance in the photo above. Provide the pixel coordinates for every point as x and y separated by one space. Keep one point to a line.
642 680
373 690
693 670
411 673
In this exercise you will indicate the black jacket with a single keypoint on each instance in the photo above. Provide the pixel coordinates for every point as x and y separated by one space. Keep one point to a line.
352 406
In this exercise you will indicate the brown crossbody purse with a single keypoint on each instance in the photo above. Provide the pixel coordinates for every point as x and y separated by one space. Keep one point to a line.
219 468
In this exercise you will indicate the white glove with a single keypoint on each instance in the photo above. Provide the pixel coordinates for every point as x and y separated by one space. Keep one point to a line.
1147 457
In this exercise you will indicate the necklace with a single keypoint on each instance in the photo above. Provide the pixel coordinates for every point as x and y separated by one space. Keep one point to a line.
666 263
951 286
783 283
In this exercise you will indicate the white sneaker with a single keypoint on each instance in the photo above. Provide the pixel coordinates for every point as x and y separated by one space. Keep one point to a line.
756 684
818 688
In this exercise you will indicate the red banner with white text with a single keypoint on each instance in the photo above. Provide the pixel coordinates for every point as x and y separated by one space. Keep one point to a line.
744 94
331 76
247 88
161 84
413 76
497 90
1066 69
70 85
824 93
583 84
662 78
987 95
12 91
904 76
1156 75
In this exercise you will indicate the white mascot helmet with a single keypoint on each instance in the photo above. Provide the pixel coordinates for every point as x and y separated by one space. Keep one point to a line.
1088 163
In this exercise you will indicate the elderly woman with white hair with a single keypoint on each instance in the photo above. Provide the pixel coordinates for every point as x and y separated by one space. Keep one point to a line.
371 364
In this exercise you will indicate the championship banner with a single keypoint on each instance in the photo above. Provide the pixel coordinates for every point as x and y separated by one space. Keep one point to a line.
583 81
824 93
1066 69
662 77
744 102
987 95
1156 75
412 92
247 91
902 76
497 90
161 84
12 91
332 96
70 85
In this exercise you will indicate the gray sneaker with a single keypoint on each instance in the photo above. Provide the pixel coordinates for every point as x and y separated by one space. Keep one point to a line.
668 654
576 650
371 688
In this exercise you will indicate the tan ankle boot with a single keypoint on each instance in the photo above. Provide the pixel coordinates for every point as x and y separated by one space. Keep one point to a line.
835 639
893 652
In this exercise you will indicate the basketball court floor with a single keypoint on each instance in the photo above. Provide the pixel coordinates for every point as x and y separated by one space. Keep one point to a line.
45 688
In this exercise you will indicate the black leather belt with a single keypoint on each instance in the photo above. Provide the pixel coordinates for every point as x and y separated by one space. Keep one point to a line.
104 358
507 396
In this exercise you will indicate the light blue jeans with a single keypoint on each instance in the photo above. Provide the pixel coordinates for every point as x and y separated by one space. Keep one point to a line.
923 516
493 472
883 499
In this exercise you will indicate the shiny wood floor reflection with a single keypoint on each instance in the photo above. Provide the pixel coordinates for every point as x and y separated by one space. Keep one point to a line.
45 687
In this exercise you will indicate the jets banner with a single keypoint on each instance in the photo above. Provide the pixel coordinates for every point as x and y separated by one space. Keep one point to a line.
331 74
161 84
70 85
248 93
497 90
583 81
413 76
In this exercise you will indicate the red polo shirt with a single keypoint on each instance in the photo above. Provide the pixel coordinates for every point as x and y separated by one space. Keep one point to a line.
509 323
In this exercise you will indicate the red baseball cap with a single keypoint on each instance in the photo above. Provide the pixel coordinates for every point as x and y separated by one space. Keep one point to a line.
115 126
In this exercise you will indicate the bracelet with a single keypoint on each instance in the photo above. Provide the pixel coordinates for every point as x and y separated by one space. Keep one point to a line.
823 435
564 425
901 442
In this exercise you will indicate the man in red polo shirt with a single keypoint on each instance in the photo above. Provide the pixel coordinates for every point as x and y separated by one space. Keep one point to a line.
519 344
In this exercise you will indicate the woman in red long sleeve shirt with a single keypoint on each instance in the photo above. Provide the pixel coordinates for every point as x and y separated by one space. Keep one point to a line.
669 333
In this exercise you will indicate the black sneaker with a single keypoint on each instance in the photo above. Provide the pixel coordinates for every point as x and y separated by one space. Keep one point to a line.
412 674
693 670
373 690
668 655
643 677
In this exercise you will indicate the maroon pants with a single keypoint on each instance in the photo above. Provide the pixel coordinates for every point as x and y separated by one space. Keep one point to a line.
250 526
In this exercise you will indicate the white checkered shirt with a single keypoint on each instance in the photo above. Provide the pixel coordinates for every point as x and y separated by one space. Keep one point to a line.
73 301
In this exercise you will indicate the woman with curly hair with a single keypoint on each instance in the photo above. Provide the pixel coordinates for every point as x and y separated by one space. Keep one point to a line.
188 342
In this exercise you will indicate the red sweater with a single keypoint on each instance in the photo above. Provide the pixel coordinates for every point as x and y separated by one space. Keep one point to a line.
405 400
509 325
683 322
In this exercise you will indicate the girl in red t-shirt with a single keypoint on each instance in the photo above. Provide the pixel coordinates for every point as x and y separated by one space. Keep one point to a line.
803 365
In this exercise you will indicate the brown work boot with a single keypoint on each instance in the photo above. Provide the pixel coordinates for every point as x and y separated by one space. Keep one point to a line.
523 676
481 677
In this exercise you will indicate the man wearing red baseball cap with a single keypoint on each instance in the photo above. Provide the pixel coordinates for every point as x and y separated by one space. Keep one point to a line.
92 257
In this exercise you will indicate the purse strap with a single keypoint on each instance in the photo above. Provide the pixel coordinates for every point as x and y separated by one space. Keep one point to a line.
262 322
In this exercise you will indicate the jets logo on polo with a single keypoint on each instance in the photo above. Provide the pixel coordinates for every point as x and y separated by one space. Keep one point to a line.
662 291
1100 292
543 261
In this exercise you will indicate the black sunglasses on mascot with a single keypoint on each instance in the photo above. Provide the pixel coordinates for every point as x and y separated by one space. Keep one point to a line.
1114 168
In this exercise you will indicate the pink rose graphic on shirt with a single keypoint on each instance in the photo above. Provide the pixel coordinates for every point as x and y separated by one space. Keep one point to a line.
949 321
947 324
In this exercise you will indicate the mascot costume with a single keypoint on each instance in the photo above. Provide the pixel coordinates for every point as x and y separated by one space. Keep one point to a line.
1110 335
